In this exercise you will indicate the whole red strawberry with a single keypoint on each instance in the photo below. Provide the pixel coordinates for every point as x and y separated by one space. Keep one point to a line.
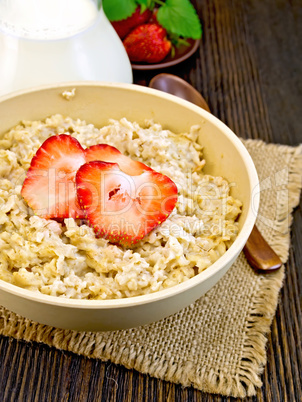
147 43
123 27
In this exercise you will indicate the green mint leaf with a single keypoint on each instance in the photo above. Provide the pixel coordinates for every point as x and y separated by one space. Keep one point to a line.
179 17
117 10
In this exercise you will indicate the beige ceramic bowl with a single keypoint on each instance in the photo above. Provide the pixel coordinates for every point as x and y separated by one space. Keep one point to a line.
225 156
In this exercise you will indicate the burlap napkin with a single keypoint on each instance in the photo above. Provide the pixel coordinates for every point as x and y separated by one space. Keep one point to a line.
218 343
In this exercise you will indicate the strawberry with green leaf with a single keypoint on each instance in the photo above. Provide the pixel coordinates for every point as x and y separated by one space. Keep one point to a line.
178 18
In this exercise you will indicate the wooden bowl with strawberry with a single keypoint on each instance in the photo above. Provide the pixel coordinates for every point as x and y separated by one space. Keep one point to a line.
49 235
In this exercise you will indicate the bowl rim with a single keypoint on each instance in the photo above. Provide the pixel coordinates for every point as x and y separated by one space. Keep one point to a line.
229 256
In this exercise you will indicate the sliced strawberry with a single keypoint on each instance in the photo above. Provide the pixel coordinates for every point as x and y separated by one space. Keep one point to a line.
120 207
123 27
49 186
107 153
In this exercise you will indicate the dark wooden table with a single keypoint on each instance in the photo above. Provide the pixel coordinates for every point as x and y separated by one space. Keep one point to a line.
249 69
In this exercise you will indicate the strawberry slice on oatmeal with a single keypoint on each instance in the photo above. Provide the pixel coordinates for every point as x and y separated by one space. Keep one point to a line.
122 199
120 207
49 186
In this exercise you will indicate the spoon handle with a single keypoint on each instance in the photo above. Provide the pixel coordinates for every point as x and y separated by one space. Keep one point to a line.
259 254
257 251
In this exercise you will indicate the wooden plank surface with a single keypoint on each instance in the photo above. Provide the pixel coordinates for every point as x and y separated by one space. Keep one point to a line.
249 69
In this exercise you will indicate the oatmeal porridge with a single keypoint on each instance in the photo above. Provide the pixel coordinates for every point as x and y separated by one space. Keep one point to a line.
66 259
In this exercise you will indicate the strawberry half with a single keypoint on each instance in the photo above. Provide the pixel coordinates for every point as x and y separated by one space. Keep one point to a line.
123 27
49 186
147 43
107 153
120 207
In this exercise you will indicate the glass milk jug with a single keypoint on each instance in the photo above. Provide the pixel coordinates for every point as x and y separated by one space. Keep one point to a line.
52 41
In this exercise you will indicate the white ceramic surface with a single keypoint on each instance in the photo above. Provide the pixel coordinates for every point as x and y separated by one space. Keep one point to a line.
53 41
225 156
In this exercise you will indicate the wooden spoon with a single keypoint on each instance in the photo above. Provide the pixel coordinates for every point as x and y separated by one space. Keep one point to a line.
257 251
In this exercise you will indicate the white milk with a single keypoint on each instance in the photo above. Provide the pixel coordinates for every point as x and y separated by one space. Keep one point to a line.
49 41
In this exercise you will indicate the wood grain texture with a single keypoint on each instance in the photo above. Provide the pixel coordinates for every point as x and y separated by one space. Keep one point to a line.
248 68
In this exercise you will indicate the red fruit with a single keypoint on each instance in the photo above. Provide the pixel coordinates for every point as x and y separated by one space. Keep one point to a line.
120 207
49 186
123 27
147 43
107 153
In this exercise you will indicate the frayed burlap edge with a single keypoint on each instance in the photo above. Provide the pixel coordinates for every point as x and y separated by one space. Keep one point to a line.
92 345
266 295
